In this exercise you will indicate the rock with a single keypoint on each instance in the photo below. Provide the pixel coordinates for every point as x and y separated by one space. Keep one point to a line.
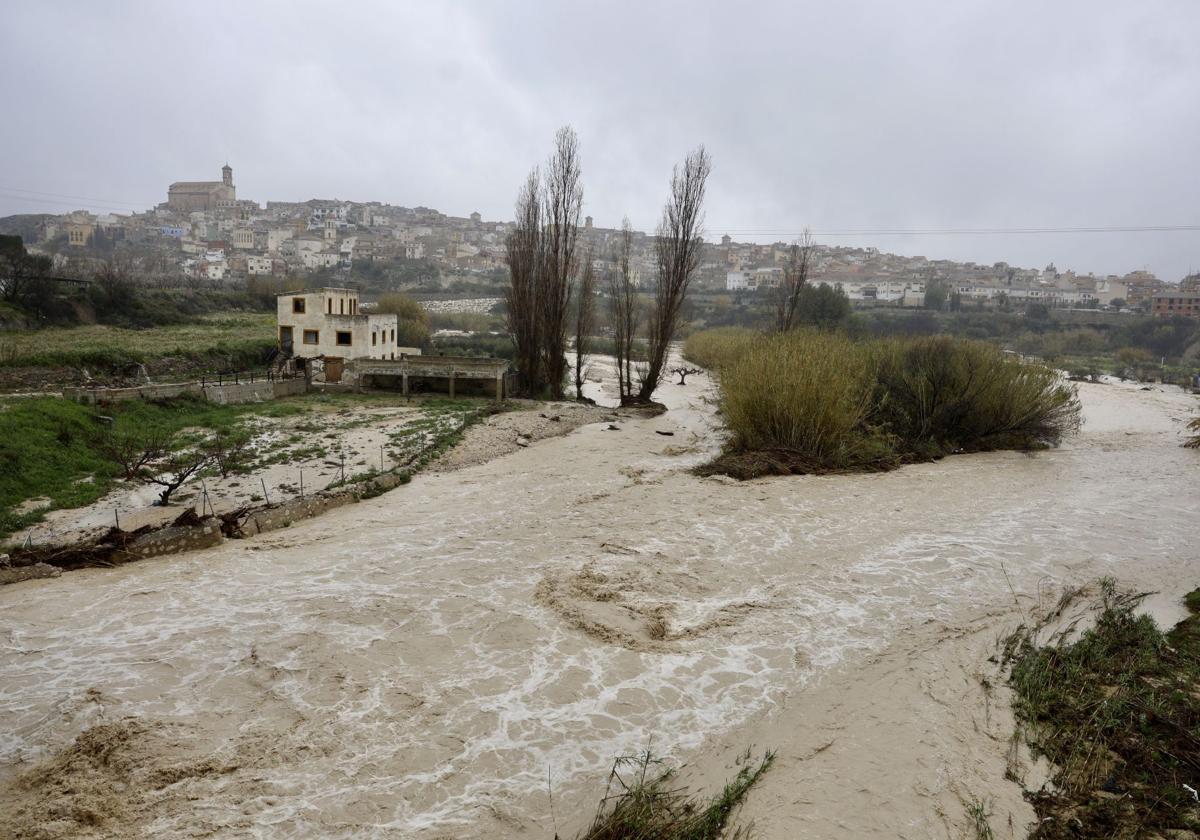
522 441
37 570
5 561
612 427
666 434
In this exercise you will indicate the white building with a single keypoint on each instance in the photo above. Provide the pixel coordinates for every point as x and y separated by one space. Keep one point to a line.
259 265
327 323
753 279
319 259
901 292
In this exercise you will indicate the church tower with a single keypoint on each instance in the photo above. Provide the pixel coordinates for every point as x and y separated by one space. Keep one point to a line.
227 175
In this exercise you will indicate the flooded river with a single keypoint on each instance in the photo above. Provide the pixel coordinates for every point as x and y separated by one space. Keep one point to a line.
426 663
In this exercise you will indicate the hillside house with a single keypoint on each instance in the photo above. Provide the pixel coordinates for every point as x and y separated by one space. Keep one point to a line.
326 323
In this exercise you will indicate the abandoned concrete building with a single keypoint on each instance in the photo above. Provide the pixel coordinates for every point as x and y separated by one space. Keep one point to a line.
326 324
323 330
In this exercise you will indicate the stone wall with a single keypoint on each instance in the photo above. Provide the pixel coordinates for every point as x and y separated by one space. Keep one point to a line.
228 393
177 538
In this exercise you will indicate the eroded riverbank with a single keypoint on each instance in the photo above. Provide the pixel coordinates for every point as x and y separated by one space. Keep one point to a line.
416 665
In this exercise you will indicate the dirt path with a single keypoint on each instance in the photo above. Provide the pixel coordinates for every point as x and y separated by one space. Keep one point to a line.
415 666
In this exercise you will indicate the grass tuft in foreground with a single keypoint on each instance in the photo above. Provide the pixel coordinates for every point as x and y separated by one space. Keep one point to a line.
1117 712
1193 442
643 803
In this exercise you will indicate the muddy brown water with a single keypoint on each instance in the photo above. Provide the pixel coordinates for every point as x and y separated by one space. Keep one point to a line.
421 664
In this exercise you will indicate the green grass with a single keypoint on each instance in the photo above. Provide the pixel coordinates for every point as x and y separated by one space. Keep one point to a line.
812 401
1116 712
643 802
237 339
47 444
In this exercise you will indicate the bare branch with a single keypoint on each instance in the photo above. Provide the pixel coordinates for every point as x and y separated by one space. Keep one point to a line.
679 246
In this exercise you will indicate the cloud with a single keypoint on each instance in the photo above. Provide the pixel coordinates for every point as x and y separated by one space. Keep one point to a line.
837 116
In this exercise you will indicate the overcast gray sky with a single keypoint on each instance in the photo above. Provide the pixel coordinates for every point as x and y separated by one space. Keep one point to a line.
836 115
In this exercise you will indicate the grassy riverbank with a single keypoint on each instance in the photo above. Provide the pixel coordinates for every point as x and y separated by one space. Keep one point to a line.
56 454
1116 712
812 401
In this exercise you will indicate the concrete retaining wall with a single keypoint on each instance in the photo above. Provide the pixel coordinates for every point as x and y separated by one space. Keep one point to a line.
285 513
230 393
177 538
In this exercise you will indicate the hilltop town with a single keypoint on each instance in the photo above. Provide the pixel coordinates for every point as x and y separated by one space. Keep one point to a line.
203 234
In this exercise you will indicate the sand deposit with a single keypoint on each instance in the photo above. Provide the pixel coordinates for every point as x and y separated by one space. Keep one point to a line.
418 664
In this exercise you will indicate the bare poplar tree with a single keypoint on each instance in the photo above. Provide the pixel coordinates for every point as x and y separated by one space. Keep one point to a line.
542 265
562 208
679 245
786 295
524 253
623 311
585 318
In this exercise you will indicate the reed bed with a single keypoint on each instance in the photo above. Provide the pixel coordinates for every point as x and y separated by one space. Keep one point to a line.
810 401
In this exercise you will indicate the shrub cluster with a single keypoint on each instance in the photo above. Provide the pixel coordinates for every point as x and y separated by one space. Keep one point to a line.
716 349
1115 711
820 402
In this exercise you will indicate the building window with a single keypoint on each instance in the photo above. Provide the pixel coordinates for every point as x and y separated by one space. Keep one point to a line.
374 336
342 307
343 339
298 306
330 302
312 336
393 336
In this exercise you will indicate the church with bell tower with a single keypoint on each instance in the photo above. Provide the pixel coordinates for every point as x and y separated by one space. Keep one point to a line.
206 196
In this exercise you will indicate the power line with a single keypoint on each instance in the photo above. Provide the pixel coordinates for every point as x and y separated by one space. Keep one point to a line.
1015 231
65 195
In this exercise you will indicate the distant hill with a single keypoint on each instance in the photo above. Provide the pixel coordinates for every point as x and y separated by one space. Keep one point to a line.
24 225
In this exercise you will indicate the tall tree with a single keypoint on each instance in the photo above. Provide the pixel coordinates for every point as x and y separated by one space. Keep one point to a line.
679 245
523 249
21 273
542 266
585 312
623 311
795 277
562 210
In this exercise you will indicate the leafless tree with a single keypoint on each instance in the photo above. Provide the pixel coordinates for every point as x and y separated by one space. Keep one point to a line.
524 254
229 450
132 452
679 245
562 209
542 266
623 311
786 296
585 317
20 271
178 469
684 372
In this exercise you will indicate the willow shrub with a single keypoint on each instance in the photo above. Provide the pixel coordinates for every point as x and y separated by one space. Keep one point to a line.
940 394
718 348
817 402
809 394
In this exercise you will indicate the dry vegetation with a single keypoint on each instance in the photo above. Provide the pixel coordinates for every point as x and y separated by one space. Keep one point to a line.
644 802
808 401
